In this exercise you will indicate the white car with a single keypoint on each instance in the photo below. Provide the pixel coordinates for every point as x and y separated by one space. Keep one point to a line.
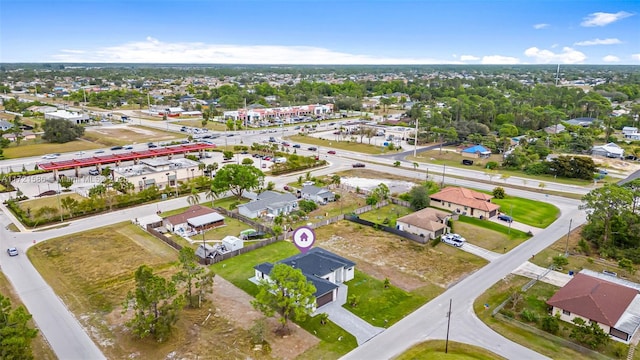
12 251
453 239
49 156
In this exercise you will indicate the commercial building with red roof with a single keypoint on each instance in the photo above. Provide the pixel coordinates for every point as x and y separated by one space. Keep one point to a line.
464 201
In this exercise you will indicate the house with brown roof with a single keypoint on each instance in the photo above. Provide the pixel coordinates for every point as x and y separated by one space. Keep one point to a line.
428 222
614 306
464 201
195 218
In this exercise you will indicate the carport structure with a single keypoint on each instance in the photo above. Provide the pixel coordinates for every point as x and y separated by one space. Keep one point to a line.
97 161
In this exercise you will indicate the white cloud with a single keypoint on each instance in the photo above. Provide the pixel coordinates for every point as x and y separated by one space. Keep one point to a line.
610 58
609 41
603 19
468 58
540 26
156 51
635 56
555 46
567 56
499 60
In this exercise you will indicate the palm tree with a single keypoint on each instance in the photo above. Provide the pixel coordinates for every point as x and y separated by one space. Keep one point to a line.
415 165
212 194
194 198
335 179
201 167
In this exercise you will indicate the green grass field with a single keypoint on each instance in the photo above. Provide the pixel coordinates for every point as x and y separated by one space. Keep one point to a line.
435 350
531 212
364 148
489 235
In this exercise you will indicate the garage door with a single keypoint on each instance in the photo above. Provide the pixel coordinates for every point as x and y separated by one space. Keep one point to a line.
324 299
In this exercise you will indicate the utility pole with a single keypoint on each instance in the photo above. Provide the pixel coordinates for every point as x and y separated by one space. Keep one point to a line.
415 141
566 249
510 215
446 346
444 167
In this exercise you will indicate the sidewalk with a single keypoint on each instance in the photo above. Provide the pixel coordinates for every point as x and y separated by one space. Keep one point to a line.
534 271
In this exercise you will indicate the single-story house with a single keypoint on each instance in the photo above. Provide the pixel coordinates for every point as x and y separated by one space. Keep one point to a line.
582 121
269 203
464 201
555 129
632 136
317 194
476 151
195 218
323 268
610 150
612 303
428 222
629 130
154 220
5 125
26 135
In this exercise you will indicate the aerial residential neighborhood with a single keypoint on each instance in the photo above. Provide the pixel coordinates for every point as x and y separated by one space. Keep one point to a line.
213 181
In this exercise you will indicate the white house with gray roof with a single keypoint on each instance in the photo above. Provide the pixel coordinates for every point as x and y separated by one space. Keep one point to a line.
269 203
317 194
5 125
610 150
323 268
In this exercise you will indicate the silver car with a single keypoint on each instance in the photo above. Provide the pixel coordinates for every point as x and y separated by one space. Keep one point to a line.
12 251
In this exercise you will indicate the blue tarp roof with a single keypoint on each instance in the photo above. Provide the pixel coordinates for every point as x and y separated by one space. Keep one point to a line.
476 149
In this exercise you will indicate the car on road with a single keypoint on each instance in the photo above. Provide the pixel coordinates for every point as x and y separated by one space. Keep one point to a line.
285 144
506 218
80 153
128 147
287 188
116 148
94 172
49 156
297 146
312 148
331 152
358 165
12 251
99 152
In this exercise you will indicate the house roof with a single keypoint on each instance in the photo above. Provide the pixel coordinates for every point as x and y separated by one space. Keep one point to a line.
610 148
314 264
5 124
476 149
593 298
466 197
269 200
205 219
313 190
427 218
192 212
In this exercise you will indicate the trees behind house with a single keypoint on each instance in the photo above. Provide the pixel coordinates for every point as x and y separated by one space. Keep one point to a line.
15 332
287 292
61 131
237 179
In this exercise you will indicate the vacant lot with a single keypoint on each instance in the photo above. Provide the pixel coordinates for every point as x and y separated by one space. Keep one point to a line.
126 134
489 235
344 145
211 125
38 147
93 271
530 212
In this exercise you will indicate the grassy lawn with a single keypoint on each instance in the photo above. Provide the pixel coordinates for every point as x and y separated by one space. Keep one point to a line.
453 158
391 212
378 305
489 235
239 269
532 300
434 350
232 227
530 212
50 201
211 125
344 145
39 346
37 148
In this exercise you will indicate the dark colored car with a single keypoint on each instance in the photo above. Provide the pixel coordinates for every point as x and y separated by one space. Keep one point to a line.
116 148
312 148
297 146
358 165
467 162
504 217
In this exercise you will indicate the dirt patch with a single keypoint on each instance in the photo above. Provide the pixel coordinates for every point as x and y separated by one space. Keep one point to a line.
125 134
234 304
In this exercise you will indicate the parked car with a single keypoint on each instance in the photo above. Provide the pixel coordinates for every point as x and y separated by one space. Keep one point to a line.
504 217
99 152
331 152
453 239
94 172
358 165
467 162
12 251
116 148
128 147
49 156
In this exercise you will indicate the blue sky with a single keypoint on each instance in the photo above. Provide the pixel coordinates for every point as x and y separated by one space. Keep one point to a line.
321 32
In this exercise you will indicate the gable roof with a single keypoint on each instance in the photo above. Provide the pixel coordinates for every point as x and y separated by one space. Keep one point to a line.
476 149
205 219
427 218
610 148
313 190
466 197
192 212
314 264
270 200
593 298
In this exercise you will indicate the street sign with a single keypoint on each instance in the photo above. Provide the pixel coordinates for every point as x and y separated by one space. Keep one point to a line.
303 238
